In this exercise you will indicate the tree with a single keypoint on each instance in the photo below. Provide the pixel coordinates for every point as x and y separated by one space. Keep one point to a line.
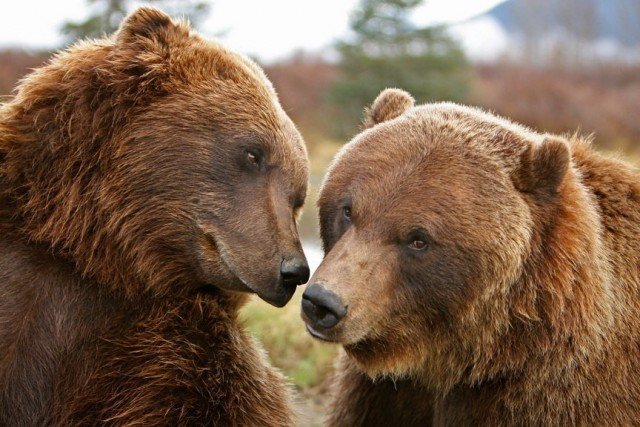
388 50
107 15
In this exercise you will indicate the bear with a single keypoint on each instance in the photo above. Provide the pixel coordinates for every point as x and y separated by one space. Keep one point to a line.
477 272
149 182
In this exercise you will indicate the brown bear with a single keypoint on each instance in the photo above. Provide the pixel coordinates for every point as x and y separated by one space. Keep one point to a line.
148 182
477 273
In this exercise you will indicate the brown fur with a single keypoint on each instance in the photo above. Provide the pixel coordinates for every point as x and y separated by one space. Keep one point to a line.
523 308
388 105
130 213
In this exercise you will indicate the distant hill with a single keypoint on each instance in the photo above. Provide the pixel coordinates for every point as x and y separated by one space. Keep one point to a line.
617 20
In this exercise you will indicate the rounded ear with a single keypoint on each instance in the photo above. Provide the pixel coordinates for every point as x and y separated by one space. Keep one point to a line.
543 167
145 23
390 104
142 48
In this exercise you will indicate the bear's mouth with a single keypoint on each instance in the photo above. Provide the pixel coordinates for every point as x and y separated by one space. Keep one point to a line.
317 335
277 297
320 335
218 248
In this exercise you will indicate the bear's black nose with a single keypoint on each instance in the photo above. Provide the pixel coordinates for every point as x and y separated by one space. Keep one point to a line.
294 272
322 307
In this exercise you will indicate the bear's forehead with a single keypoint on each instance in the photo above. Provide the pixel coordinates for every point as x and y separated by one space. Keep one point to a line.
406 178
228 89
443 153
438 137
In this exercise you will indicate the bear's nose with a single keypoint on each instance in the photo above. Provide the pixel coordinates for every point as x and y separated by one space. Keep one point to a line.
322 307
294 272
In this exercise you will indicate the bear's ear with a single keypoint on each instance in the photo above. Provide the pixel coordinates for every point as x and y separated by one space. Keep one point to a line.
543 167
390 104
145 23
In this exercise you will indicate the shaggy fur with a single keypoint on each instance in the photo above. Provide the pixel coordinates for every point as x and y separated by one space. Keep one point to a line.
523 307
136 172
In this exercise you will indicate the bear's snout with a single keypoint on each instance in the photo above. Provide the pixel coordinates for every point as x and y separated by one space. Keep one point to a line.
294 272
322 308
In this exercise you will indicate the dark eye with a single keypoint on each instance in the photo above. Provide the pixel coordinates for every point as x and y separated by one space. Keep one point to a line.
417 241
298 203
253 157
418 244
346 212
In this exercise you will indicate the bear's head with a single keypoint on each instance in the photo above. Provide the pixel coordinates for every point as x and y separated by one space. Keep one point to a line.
159 161
435 221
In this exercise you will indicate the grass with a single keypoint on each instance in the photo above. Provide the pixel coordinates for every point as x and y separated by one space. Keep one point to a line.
307 362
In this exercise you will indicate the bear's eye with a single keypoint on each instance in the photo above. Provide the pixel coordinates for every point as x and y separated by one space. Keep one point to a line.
253 157
418 240
346 212
298 203
418 244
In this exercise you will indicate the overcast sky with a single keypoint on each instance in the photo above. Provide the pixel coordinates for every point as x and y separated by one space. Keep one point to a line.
267 29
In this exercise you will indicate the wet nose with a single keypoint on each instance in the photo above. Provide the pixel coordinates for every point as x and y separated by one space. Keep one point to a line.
322 307
294 272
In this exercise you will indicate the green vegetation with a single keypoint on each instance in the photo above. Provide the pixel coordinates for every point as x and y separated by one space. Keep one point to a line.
388 50
305 361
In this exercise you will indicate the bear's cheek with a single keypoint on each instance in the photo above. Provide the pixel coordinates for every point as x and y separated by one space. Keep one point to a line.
416 306
208 264
396 348
436 285
369 312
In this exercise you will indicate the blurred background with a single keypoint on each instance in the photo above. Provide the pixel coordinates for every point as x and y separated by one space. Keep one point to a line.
556 65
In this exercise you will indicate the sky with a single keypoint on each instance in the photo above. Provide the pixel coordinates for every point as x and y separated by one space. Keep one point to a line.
269 30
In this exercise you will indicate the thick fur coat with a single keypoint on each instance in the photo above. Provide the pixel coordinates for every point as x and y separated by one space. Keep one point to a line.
491 273
136 172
